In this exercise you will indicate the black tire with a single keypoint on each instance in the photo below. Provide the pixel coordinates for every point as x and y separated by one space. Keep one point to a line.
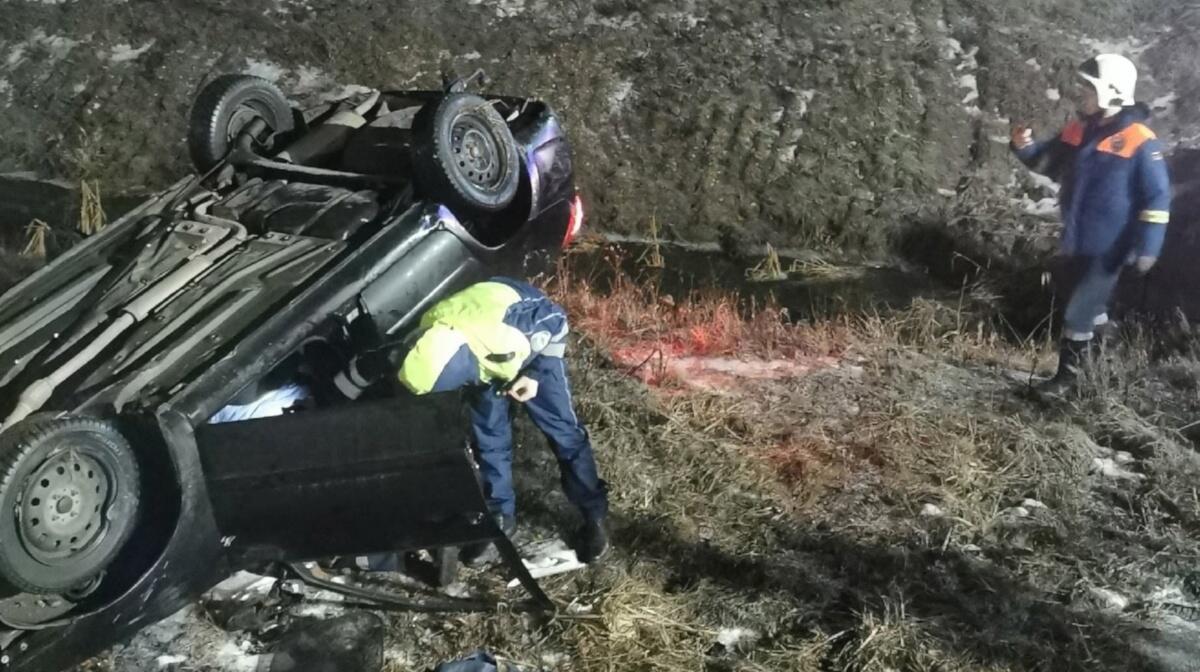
69 497
464 155
224 107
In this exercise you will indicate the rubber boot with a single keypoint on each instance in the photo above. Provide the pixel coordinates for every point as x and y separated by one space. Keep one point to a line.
591 541
486 553
1071 356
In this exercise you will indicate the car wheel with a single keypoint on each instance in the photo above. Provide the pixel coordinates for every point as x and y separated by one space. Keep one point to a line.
225 107
464 155
69 495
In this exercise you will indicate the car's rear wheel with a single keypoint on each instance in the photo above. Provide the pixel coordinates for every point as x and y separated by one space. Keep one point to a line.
465 155
69 496
227 106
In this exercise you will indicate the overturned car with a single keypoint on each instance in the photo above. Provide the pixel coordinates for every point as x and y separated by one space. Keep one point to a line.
305 237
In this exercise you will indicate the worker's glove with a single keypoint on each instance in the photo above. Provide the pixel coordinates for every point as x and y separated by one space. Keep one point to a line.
1022 136
1143 264
523 389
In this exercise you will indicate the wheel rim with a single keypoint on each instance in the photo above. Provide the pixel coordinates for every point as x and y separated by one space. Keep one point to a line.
242 116
63 507
477 150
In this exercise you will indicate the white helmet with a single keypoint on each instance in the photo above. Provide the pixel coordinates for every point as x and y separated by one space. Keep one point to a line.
1114 78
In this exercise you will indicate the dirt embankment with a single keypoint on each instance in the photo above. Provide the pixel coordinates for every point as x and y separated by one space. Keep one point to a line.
826 125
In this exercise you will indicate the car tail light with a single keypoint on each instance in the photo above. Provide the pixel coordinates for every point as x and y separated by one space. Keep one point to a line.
575 223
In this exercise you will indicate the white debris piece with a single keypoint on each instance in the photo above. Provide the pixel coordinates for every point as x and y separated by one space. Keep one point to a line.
547 559
1110 600
1106 466
165 661
731 637
931 511
241 585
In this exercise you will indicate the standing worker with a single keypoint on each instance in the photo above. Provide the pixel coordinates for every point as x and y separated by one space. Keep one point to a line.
506 340
1115 200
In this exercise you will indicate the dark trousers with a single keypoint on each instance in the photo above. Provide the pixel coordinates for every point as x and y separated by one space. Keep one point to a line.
554 414
1089 282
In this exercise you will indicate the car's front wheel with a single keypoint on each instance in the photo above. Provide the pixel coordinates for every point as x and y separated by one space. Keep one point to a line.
69 497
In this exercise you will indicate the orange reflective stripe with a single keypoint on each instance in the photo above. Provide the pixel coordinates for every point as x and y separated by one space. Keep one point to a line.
1126 143
1072 133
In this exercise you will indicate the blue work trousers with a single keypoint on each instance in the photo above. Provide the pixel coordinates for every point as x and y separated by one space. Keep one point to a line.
554 414
1094 279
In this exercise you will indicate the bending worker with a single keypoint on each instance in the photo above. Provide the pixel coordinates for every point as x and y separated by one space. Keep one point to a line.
506 340
1115 199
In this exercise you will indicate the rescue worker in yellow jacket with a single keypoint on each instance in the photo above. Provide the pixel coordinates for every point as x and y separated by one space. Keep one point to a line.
505 340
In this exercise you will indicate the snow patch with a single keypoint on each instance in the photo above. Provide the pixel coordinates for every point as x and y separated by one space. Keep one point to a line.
505 9
1053 94
305 81
1044 182
1033 504
236 657
1033 63
272 72
932 511
5 91
715 374
472 56
968 64
1043 207
620 93
1129 47
1164 105
971 84
125 52
56 47
166 661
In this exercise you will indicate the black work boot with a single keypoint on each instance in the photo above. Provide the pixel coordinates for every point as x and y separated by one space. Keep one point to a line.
591 540
485 552
1071 356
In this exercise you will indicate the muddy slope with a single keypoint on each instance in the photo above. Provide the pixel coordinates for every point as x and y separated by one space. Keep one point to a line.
811 123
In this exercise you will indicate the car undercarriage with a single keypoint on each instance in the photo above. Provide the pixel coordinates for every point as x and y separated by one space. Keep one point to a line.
306 237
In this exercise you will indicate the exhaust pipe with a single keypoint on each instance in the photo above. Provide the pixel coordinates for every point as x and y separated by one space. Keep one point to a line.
38 393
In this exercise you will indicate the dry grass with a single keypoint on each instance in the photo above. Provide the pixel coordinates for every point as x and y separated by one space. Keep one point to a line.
640 627
710 323
91 212
770 269
35 241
